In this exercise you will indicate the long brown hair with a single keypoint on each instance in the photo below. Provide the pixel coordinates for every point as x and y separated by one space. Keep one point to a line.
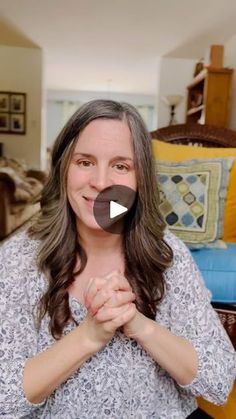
146 253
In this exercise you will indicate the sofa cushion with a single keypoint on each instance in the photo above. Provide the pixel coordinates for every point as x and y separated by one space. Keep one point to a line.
193 196
174 152
218 268
13 164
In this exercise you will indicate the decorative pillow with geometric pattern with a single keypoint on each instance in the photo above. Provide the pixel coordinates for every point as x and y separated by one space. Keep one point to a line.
192 197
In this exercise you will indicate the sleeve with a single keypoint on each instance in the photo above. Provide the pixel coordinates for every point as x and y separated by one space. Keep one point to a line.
18 336
193 317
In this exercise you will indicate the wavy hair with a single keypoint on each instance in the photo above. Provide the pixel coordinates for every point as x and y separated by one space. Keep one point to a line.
146 253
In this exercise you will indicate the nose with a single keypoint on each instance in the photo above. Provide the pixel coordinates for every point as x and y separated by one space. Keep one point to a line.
100 178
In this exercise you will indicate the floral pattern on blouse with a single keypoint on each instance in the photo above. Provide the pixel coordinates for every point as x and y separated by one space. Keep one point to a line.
121 381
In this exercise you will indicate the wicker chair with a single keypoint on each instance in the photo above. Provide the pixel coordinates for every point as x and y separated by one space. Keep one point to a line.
204 136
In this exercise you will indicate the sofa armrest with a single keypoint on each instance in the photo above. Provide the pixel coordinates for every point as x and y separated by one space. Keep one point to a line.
7 183
7 196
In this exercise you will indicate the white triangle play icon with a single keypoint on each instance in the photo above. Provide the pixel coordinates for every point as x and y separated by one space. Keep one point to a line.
116 209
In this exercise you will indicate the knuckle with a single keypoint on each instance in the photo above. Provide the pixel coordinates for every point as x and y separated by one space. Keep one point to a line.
114 280
119 297
103 293
106 294
96 280
132 295
99 316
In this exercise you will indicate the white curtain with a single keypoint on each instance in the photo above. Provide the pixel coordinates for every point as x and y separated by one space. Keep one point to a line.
68 108
147 113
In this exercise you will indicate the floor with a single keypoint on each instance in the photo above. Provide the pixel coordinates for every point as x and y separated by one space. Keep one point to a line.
227 411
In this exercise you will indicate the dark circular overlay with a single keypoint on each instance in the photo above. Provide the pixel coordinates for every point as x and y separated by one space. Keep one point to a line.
114 209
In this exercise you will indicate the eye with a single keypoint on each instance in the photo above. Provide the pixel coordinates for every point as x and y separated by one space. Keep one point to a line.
84 163
121 167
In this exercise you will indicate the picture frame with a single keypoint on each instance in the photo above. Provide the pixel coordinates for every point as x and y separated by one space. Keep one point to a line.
4 122
17 104
13 113
4 102
17 123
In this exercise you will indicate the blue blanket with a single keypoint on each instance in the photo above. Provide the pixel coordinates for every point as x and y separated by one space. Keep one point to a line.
218 268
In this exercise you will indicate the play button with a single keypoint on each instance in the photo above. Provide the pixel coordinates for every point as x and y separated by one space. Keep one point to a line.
115 209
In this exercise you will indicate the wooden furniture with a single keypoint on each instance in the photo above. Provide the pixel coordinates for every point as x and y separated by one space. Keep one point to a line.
208 100
206 136
214 56
202 135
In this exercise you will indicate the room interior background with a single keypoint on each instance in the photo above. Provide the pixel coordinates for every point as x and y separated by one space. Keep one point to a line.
147 29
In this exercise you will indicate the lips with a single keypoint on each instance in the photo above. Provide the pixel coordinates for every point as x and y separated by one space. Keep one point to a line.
94 199
88 199
99 200
101 205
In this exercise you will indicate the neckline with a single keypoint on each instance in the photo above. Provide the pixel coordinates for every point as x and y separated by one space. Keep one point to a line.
73 298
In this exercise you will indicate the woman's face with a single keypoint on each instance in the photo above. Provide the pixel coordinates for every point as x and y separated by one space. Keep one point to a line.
103 156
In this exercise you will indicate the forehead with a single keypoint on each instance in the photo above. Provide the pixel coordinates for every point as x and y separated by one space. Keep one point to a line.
106 134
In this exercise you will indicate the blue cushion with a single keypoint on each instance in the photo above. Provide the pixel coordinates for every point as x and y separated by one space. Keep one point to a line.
218 268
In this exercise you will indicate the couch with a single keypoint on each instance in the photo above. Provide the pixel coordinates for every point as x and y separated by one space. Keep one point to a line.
180 147
20 191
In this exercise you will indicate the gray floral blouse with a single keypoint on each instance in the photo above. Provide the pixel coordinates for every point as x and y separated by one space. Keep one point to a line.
121 381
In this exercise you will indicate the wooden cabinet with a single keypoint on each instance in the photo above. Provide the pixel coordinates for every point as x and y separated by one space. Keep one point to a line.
208 99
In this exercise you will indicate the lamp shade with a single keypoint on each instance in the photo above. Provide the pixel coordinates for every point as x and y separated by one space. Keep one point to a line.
172 100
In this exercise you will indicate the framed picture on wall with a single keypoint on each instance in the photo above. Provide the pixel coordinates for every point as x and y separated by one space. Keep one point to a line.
12 113
17 103
4 122
17 123
4 102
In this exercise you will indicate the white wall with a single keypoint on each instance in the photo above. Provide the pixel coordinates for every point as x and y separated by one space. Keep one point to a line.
230 61
21 71
174 76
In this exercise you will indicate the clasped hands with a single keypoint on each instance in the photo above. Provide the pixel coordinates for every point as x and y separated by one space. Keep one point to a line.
110 304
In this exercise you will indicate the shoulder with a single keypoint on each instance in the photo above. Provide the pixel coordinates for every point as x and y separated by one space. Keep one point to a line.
18 266
175 243
183 271
18 250
179 248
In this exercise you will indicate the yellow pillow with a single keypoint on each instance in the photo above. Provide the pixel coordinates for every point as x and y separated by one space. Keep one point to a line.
176 152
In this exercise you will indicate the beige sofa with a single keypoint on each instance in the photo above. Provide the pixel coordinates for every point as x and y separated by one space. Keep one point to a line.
20 191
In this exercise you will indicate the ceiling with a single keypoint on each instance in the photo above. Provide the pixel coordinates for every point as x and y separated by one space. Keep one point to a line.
114 44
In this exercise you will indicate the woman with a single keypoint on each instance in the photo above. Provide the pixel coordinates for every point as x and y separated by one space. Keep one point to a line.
95 324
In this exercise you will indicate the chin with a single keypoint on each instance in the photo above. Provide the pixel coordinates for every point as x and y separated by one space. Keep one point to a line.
91 224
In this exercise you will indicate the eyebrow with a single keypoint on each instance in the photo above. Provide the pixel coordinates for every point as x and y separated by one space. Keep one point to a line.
114 158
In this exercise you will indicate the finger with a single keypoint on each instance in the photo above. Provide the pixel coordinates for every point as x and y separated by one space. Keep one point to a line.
119 298
121 319
110 313
117 281
102 296
113 281
110 298
94 285
115 272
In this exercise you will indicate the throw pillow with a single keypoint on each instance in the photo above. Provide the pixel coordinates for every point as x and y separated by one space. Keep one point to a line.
193 196
174 152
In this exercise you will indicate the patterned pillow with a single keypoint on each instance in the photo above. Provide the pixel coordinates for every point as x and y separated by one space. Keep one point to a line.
192 198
